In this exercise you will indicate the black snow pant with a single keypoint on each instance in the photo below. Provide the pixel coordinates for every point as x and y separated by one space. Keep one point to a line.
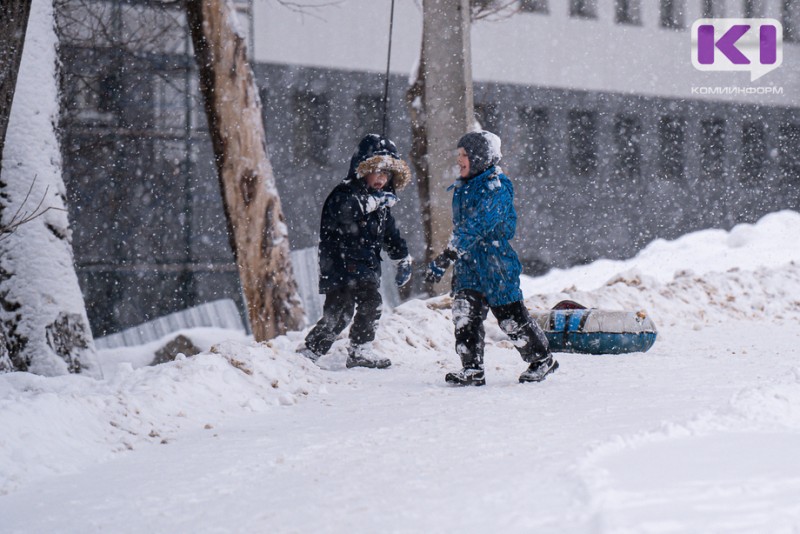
470 310
337 312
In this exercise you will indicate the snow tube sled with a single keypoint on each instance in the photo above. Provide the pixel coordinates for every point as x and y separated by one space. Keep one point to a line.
571 327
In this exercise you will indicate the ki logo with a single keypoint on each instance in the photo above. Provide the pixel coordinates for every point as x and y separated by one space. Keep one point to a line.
754 45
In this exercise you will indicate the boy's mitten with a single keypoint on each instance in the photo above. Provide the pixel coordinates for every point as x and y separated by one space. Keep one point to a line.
402 271
379 199
439 265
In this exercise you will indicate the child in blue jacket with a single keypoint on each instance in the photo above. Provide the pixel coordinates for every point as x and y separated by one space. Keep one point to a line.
486 272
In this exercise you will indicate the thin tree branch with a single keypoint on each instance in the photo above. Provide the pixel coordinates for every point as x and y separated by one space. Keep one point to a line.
22 217
303 7
493 9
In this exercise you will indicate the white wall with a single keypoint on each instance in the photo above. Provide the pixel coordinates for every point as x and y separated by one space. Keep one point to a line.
556 50
350 35
552 50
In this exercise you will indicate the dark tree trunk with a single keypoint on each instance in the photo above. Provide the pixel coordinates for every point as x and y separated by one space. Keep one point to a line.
259 236
13 23
415 98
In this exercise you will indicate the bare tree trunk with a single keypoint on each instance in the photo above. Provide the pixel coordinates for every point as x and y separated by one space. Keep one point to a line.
446 98
13 23
259 236
43 323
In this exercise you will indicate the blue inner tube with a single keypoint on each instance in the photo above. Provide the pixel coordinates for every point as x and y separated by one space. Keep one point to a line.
593 331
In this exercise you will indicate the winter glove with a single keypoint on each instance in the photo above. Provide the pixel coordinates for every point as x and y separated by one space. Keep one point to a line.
439 265
379 199
402 271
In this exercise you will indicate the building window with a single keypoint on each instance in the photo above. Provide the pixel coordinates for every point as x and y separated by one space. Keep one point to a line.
712 148
582 129
488 117
169 103
790 18
312 127
535 157
627 141
92 99
789 152
754 151
534 6
713 8
753 9
369 115
627 12
109 93
586 9
672 15
672 137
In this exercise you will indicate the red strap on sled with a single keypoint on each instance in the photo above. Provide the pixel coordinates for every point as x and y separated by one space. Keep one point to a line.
569 305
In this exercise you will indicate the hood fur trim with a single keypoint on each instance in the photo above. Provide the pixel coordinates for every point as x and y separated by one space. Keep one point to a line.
401 174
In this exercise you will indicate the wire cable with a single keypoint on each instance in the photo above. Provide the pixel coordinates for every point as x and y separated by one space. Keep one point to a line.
386 82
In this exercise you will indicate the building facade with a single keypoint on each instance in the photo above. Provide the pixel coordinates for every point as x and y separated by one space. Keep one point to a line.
610 135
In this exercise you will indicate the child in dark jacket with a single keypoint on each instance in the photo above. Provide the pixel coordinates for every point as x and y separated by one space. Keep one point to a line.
486 272
356 224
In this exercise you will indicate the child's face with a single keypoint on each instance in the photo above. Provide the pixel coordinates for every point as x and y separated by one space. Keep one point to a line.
377 180
463 163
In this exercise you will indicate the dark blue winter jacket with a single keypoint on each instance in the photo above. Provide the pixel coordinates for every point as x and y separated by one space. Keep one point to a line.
351 240
484 220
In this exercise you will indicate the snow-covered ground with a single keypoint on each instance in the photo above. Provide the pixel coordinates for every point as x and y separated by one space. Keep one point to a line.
700 434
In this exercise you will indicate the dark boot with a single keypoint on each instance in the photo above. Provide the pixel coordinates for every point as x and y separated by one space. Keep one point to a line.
363 356
466 377
538 371
308 353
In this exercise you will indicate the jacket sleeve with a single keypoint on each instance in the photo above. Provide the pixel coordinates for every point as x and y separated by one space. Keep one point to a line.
393 242
496 219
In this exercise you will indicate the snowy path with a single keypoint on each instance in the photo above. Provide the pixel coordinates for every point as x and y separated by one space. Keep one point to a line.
399 451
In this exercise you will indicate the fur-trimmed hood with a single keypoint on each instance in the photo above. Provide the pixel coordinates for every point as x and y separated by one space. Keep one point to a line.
401 174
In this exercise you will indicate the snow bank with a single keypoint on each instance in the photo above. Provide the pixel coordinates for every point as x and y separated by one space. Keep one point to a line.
692 300
61 425
723 471
773 407
767 243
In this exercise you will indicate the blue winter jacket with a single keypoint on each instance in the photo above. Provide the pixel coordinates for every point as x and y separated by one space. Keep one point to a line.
484 221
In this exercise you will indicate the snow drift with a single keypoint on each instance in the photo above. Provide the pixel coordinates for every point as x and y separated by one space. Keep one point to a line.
698 289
